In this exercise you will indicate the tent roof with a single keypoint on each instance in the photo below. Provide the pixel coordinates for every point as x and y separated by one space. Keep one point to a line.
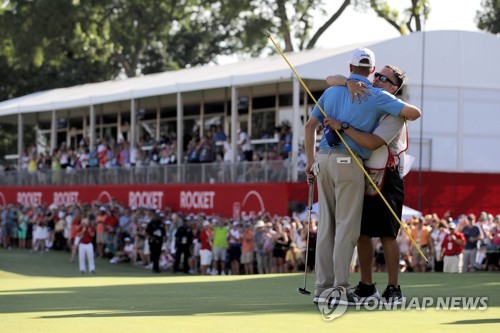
451 58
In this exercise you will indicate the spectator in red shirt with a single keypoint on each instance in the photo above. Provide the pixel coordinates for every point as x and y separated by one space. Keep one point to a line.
85 248
451 249
111 221
206 248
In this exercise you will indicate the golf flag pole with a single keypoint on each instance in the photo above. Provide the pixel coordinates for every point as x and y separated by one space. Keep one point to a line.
347 147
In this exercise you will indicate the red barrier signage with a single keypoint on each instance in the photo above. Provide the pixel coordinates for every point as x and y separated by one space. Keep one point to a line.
226 199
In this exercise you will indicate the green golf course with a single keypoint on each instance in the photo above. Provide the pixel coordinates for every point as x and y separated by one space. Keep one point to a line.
46 293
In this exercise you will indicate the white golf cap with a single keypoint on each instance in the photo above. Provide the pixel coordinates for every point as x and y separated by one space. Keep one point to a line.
260 224
206 223
362 58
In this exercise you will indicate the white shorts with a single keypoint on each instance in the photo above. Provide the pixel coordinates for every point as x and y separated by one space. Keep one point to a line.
205 257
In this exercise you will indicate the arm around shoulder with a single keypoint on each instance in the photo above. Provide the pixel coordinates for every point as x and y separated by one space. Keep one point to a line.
410 112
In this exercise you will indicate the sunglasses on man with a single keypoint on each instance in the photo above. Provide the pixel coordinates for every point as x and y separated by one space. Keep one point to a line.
384 78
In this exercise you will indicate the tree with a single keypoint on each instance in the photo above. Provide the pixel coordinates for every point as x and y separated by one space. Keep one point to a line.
292 20
44 47
56 43
489 18
95 40
410 21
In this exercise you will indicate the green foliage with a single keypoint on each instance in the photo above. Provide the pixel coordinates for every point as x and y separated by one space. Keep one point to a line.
488 18
49 44
56 43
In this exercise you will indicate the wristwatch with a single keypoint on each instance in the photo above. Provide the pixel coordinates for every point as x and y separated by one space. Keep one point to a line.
343 126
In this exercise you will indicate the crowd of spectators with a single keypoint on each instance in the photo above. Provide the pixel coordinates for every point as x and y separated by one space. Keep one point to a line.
202 244
481 250
213 146
259 244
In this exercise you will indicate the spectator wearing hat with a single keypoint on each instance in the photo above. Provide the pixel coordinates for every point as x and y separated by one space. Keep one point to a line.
127 254
438 236
101 230
247 247
183 243
293 258
473 234
451 249
220 245
235 248
86 234
206 237
156 234
422 236
267 248
259 245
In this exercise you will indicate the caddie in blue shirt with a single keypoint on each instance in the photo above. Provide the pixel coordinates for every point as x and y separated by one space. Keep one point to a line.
341 182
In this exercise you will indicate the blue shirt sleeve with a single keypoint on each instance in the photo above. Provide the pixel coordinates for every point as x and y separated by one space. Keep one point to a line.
387 103
316 112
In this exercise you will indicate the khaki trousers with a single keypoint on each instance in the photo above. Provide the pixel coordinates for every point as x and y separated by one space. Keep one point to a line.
341 186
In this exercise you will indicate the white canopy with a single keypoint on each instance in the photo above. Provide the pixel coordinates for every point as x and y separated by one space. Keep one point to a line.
451 58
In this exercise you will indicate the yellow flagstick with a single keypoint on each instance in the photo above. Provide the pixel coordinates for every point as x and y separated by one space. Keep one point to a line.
348 148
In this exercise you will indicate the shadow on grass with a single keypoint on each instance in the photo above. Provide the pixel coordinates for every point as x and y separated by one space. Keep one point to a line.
249 296
475 321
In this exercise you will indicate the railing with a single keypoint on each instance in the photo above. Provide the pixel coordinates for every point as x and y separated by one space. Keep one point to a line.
199 173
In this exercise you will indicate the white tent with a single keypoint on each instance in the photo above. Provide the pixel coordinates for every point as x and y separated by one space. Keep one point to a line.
407 212
410 212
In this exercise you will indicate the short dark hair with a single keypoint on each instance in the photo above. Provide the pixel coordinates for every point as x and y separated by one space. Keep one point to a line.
399 74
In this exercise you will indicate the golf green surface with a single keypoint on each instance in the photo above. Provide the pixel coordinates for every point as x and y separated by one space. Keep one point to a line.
46 293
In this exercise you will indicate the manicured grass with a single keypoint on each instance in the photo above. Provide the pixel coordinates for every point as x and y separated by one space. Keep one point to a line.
46 293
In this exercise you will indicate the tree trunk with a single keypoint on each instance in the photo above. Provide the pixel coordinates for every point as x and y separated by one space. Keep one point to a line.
285 28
